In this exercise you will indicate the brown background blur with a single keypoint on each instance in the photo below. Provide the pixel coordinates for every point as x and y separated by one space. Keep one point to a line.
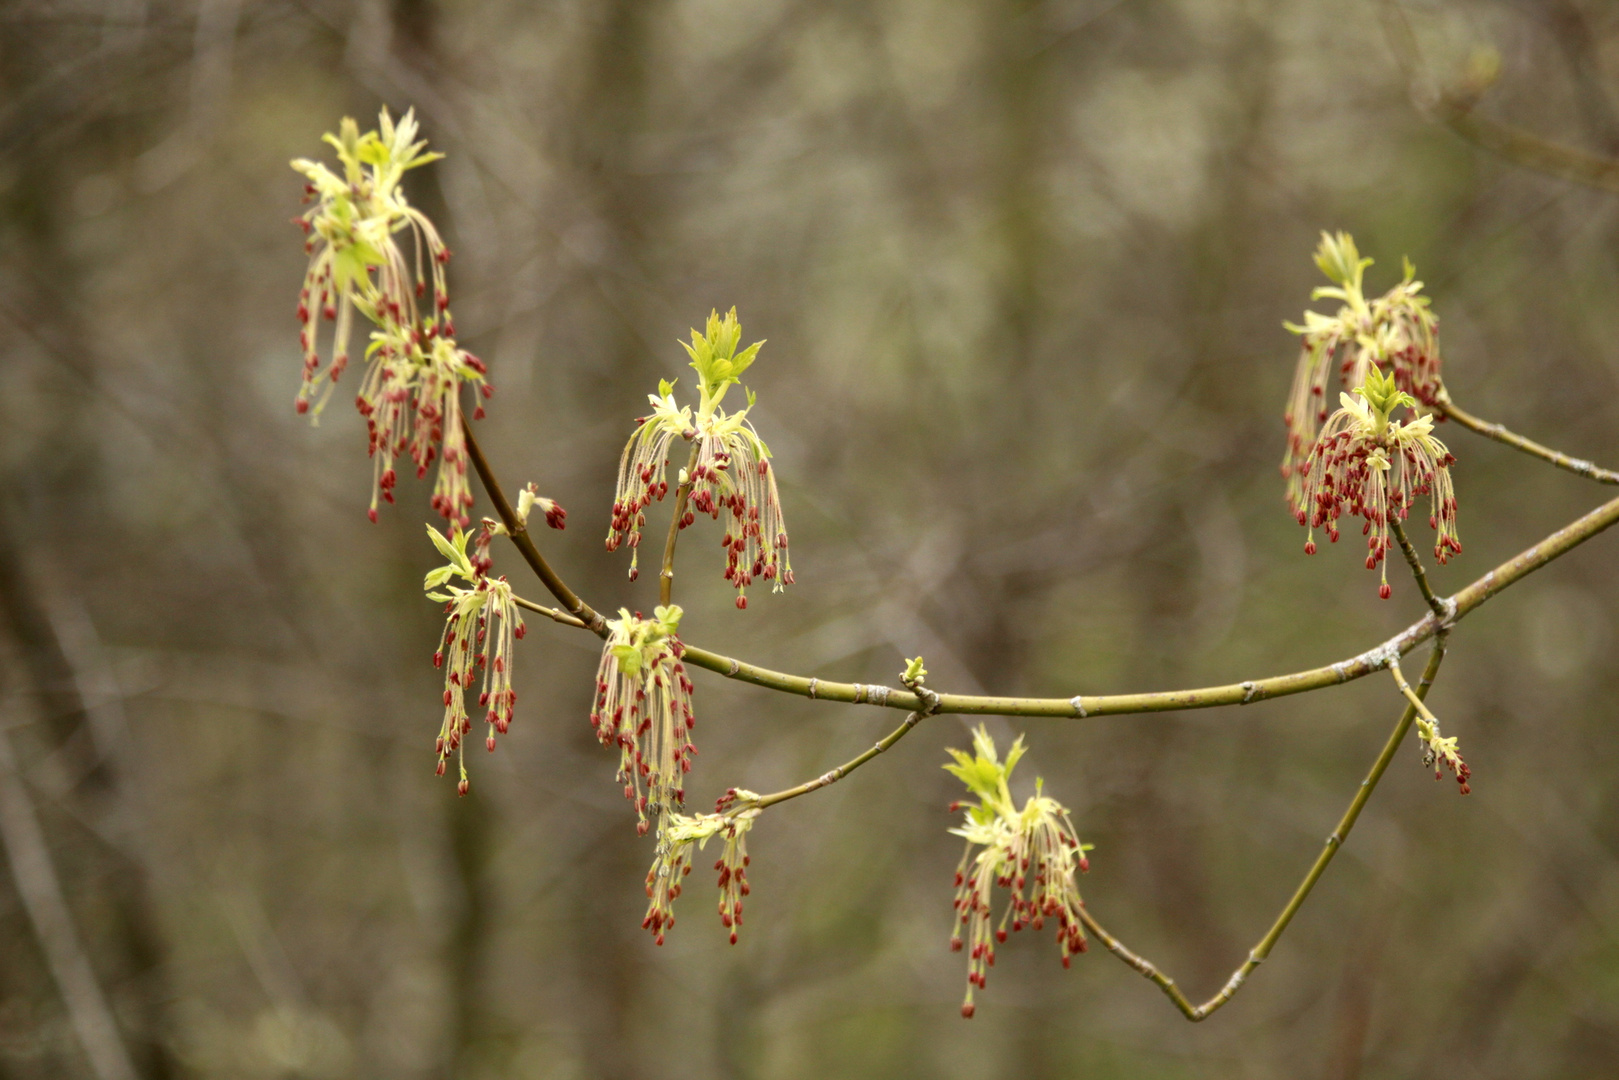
1022 268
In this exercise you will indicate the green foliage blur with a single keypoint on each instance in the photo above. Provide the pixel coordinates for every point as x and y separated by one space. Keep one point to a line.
1023 268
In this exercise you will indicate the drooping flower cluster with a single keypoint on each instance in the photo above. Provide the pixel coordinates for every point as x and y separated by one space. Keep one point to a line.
1439 751
1033 852
1376 467
410 394
527 499
1395 333
478 638
672 862
643 706
730 468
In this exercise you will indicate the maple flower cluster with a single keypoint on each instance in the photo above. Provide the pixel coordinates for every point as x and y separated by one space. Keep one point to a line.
643 706
730 466
1033 852
1376 468
356 232
1439 751
478 638
1395 332
672 862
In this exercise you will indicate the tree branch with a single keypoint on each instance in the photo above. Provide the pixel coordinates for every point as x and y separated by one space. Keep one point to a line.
930 705
1439 609
1501 435
525 544
1524 563
1453 107
551 613
1261 951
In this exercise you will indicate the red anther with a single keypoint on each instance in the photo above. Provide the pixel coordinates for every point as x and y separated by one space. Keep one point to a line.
372 514
490 742
1067 961
733 937
519 631
447 694
440 771
967 1011
302 406
1084 865
1384 591
487 390
742 603
1309 545
640 830
463 787
1000 935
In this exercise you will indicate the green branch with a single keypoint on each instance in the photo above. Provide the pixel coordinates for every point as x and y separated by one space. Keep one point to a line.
1415 562
1458 606
1528 446
587 615
1334 842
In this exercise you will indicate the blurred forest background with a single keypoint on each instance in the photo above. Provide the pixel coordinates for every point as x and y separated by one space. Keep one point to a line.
1023 268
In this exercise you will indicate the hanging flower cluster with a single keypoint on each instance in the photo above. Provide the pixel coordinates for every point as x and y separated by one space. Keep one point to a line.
1375 467
1032 852
730 466
1395 332
410 394
643 706
672 862
478 637
1439 751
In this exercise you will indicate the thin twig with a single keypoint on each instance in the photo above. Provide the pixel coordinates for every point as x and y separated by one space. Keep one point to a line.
1454 108
1421 575
1334 842
666 575
1455 111
560 616
1528 446
582 611
1411 695
41 890
929 707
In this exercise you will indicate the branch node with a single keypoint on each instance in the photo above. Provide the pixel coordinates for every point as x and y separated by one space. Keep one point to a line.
1079 705
736 666
812 682
1248 691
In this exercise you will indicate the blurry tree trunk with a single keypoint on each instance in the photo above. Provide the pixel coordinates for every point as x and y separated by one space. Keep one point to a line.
29 859
130 946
